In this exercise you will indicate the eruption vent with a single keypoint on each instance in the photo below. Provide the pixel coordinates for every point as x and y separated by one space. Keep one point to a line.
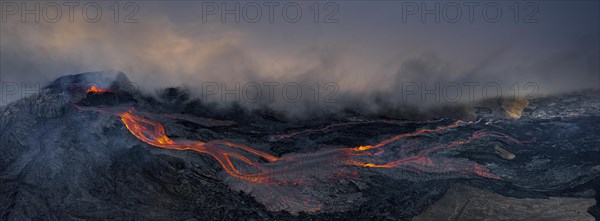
96 90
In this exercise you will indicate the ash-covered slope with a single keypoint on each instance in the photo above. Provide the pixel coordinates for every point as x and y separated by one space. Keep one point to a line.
67 154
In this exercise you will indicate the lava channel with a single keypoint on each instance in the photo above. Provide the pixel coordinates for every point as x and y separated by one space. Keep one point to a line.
243 162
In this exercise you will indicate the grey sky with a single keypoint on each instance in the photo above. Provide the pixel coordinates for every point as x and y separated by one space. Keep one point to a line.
371 49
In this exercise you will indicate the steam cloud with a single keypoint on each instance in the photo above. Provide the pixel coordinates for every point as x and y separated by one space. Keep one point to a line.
161 51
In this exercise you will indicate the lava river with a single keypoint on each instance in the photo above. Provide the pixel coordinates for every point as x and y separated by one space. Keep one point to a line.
263 174
243 162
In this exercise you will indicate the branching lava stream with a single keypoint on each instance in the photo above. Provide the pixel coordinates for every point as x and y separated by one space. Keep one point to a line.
226 153
274 180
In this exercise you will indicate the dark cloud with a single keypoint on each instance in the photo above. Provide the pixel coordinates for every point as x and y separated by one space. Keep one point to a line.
369 71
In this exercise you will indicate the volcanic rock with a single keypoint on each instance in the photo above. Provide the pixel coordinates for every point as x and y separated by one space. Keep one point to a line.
65 154
503 152
463 202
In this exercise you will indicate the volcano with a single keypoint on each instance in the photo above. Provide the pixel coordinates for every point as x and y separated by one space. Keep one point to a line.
92 146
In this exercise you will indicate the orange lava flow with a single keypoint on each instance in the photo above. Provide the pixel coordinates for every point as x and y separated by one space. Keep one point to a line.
328 127
291 169
397 137
421 158
284 136
96 90
154 134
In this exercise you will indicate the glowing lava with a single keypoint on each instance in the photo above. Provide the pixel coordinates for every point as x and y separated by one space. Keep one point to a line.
96 90
244 162
397 137
420 160
154 134
331 126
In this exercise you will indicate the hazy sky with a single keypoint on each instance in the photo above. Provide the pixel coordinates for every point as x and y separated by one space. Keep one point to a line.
373 47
